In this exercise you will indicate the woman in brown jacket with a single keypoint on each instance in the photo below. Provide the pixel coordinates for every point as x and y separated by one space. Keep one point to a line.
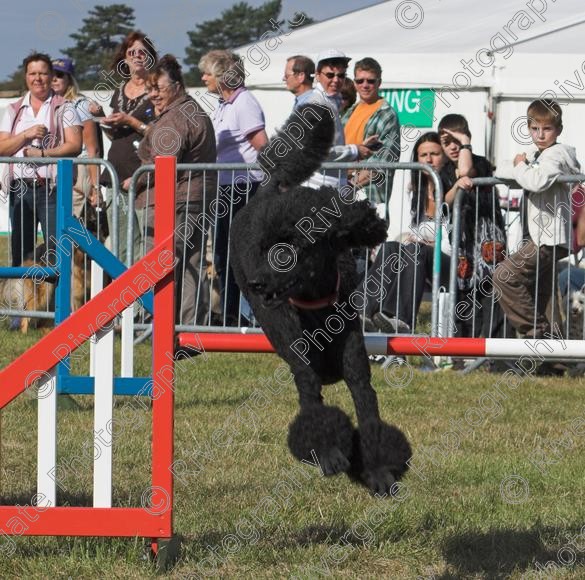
184 130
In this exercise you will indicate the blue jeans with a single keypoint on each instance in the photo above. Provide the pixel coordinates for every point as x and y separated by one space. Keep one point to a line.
571 279
234 198
30 205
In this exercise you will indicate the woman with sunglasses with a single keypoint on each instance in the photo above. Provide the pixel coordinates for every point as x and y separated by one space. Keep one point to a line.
184 130
132 111
87 182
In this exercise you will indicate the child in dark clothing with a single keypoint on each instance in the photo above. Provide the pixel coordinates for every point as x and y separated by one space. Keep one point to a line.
483 241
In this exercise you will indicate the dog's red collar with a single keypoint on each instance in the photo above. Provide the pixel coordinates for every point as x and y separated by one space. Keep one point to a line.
320 302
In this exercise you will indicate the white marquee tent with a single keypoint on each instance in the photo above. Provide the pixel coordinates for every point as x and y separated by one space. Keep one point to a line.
485 60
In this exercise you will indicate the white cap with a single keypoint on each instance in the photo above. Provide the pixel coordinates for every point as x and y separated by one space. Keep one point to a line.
331 54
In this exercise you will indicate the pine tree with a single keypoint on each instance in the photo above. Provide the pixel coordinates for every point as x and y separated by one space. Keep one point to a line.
97 40
238 25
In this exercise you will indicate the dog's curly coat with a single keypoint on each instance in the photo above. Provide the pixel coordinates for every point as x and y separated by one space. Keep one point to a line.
299 276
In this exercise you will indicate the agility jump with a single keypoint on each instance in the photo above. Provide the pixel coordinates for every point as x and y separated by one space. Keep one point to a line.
38 367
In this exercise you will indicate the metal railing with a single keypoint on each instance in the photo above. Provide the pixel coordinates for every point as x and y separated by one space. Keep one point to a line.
39 272
456 231
342 169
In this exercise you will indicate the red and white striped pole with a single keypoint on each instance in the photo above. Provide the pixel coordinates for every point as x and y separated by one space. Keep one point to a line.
406 345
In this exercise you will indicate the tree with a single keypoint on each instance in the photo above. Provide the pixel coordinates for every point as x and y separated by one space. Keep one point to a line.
97 40
238 25
14 83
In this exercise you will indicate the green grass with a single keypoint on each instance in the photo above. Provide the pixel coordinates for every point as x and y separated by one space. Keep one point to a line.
241 496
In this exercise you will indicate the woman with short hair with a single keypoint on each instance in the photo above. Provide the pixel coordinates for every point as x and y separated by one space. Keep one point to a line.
182 129
240 134
40 124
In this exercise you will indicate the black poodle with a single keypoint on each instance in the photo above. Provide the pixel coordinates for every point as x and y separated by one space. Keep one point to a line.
291 257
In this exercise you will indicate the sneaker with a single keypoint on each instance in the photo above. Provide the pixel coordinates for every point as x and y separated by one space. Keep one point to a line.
550 369
367 324
390 325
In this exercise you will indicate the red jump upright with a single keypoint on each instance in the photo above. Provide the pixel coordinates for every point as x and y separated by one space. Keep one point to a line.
155 270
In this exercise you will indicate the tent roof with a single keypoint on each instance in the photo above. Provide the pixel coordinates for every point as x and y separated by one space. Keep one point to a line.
447 32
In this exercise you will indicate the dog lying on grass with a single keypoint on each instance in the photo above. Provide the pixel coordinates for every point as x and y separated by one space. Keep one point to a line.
291 257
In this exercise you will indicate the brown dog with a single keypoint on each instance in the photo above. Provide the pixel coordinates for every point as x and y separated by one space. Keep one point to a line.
36 294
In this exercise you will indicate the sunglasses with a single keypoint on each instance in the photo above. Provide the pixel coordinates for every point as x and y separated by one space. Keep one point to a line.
330 75
59 74
368 81
137 52
159 88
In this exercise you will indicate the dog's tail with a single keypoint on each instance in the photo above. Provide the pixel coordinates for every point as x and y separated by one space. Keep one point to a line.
300 147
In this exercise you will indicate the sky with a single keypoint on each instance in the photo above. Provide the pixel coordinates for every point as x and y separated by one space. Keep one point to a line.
45 25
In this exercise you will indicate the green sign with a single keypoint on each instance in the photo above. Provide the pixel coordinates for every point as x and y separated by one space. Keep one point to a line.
413 106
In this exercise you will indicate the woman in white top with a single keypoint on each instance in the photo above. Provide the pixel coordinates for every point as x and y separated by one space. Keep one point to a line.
65 85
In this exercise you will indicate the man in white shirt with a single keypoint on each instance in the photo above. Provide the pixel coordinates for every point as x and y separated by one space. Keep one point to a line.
41 124
331 72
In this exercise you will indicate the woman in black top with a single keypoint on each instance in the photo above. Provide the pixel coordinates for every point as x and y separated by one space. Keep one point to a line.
132 111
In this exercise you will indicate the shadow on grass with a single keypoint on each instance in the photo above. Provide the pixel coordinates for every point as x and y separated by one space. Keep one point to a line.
498 553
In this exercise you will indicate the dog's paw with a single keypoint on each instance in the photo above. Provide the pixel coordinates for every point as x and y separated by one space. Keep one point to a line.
332 461
379 481
380 452
325 433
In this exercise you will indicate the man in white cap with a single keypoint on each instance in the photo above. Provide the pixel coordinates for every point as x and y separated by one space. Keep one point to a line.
330 74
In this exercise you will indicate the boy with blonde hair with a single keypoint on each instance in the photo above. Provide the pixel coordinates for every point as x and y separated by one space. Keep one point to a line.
526 280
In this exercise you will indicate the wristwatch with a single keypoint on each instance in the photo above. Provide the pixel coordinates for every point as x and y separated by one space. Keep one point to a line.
142 128
466 146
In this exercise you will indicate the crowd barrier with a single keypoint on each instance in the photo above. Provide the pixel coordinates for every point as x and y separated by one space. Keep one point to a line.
9 196
40 369
210 312
209 303
211 316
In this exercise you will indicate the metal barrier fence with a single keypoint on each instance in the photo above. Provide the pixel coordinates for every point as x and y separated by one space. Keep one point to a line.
204 235
23 251
515 233
205 305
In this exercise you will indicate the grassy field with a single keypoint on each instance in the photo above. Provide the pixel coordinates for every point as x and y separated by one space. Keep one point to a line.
496 489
